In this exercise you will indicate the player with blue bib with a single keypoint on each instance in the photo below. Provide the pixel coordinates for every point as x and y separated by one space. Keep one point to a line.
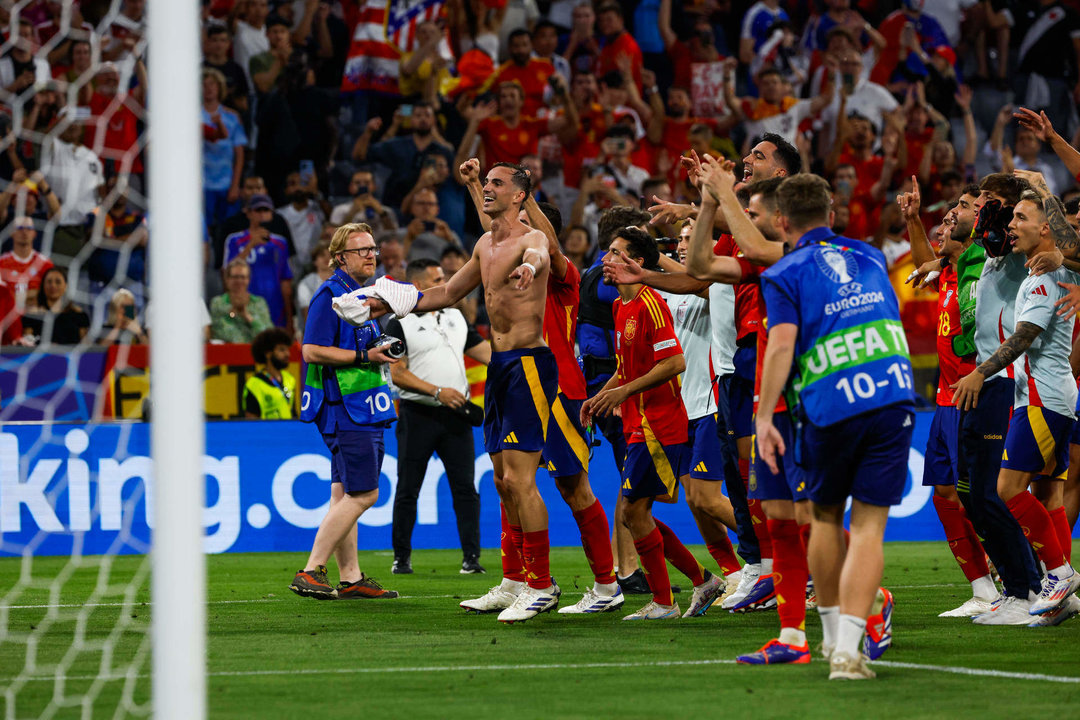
836 341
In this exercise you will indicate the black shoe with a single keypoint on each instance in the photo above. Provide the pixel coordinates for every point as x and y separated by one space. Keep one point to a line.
636 584
470 565
402 566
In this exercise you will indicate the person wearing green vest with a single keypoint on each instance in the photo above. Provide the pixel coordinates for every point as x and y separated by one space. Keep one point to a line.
270 394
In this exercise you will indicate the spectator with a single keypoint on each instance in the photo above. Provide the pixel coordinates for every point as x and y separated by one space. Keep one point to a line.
305 289
859 95
535 167
391 258
304 216
21 69
616 151
582 49
775 111
58 321
756 23
598 193
216 57
530 73
126 30
364 206
11 327
76 173
267 255
545 45
903 30
423 72
249 38
252 185
270 393
237 316
509 135
22 197
113 128
668 130
453 259
1048 64
224 141
404 156
76 64
618 44
699 48
427 236
23 267
119 235
575 246
266 67
436 176
580 148
121 327
840 14
1026 146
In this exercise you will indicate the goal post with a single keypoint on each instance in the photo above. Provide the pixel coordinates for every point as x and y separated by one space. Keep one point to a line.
178 585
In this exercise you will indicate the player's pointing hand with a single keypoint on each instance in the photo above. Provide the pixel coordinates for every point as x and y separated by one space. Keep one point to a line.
524 274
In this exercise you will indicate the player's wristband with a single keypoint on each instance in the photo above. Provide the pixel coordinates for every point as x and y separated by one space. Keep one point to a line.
361 357
436 395
530 266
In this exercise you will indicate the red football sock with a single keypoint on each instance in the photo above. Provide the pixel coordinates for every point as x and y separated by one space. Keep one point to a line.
724 555
1039 529
761 528
790 573
536 552
1064 532
650 550
510 540
962 539
683 560
593 525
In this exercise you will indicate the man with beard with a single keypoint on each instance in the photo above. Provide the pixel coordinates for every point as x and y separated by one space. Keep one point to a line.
270 394
404 155
531 73
305 218
955 359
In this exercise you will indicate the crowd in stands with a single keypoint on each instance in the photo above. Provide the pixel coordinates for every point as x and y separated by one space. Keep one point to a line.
313 117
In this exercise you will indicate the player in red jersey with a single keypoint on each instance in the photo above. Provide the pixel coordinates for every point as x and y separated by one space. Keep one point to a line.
955 359
566 449
645 389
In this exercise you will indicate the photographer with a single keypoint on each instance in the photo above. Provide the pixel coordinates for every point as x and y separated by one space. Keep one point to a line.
434 416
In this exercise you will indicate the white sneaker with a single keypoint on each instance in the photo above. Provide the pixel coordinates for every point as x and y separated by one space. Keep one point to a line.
731 584
655 611
496 599
704 596
594 602
972 608
530 603
1054 591
1011 611
1064 611
750 574
844 667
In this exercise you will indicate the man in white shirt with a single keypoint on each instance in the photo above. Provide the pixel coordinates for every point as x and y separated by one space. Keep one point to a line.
250 38
75 172
305 219
434 393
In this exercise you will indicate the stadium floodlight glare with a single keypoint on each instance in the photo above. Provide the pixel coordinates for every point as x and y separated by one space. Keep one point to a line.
175 174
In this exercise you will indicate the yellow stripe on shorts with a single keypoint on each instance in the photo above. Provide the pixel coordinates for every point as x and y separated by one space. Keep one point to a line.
660 460
573 437
532 377
1041 432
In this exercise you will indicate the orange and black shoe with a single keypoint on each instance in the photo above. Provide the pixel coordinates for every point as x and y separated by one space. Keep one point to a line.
313 583
365 588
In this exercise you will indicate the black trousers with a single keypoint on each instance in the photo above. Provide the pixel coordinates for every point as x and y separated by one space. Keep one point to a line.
421 431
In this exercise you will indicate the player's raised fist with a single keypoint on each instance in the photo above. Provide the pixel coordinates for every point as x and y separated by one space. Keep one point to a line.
470 169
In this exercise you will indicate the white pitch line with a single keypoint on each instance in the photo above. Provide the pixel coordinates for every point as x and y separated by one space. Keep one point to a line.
977 672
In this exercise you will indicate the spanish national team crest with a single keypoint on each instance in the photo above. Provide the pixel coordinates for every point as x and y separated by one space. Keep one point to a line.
630 329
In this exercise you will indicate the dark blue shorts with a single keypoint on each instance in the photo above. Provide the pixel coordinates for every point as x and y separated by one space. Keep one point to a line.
864 457
652 470
741 406
789 483
941 466
520 388
356 458
1038 442
707 454
566 451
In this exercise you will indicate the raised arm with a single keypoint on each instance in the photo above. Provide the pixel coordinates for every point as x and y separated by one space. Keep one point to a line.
701 263
461 284
673 280
539 221
967 389
921 250
719 182
1040 125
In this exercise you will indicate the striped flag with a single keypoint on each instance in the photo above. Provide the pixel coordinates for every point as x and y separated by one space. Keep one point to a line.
404 15
372 63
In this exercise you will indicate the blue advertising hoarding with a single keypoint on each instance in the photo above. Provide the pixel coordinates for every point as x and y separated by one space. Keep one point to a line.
267 487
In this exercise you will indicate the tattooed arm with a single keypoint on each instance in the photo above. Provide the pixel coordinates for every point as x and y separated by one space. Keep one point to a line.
966 391
1064 236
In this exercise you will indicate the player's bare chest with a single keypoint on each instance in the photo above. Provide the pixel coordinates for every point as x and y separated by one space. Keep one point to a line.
498 261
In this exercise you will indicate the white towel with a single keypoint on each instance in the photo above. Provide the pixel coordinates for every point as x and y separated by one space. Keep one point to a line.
351 308
401 297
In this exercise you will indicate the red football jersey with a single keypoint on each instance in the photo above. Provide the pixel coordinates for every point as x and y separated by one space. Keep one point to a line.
24 275
509 144
533 78
952 366
645 335
749 305
560 329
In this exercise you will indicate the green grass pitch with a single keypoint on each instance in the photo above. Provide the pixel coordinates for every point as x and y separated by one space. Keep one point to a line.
274 655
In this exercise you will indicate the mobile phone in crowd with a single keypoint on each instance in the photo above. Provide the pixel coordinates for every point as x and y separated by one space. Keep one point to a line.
405 110
129 312
307 171
429 226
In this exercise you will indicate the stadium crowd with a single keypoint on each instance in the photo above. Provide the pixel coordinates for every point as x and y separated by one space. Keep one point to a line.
637 122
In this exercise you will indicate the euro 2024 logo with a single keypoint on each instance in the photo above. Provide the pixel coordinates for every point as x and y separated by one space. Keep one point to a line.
840 267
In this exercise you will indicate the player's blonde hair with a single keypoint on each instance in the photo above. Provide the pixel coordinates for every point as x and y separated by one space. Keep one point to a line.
341 236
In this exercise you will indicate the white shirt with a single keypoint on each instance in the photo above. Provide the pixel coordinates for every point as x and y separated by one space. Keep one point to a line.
42 73
75 173
436 344
692 327
1043 374
306 227
722 321
247 43
785 124
869 100
949 13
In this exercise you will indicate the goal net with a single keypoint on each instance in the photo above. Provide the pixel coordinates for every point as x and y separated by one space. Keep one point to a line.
86 547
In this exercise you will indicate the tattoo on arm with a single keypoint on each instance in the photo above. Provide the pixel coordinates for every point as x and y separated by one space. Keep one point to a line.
1064 236
1013 347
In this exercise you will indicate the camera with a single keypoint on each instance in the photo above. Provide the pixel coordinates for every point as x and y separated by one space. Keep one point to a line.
393 347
